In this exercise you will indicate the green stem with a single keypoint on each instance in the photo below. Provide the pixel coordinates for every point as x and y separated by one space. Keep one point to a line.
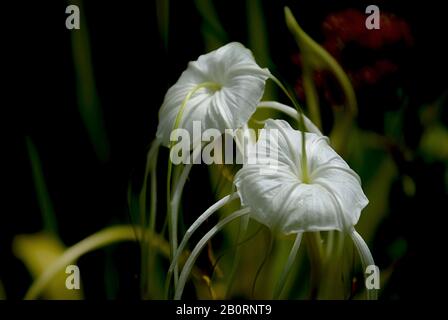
321 56
270 246
286 92
152 217
244 222
288 266
304 162
148 257
314 246
315 58
332 286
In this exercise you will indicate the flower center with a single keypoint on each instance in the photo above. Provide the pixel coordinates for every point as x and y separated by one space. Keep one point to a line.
212 87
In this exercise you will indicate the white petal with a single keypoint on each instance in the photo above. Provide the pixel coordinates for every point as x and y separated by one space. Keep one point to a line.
284 204
346 189
288 146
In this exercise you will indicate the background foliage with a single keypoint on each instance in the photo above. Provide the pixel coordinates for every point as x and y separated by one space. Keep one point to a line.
85 113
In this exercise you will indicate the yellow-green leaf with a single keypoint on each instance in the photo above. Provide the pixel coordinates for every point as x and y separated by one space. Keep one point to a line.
38 251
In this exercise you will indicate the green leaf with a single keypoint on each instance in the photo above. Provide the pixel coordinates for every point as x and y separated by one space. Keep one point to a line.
314 58
38 252
212 30
434 143
43 198
88 102
163 20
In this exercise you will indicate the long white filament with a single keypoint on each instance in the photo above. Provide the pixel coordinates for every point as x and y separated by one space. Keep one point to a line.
175 210
196 224
175 200
288 265
289 111
197 250
177 122
366 258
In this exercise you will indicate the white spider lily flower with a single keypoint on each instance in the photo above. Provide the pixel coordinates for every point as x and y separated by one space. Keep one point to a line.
304 193
296 196
221 90
324 195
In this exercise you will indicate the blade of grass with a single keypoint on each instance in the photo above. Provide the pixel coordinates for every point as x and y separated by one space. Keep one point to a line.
163 20
259 44
43 197
212 30
88 102
315 57
2 291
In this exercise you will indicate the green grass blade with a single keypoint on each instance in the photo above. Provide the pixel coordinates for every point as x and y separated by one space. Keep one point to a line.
43 197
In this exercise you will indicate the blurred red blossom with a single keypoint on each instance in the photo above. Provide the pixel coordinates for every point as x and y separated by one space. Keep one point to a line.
364 54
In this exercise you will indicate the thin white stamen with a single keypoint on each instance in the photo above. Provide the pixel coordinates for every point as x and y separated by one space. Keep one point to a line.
179 187
203 217
197 250
366 259
291 112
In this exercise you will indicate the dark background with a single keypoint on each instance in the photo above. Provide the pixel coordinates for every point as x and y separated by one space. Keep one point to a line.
132 71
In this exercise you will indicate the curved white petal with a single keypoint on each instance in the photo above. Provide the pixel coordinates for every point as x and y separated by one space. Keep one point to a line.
272 185
346 189
241 81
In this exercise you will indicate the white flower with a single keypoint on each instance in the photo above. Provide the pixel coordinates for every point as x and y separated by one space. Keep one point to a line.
300 194
328 196
221 89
